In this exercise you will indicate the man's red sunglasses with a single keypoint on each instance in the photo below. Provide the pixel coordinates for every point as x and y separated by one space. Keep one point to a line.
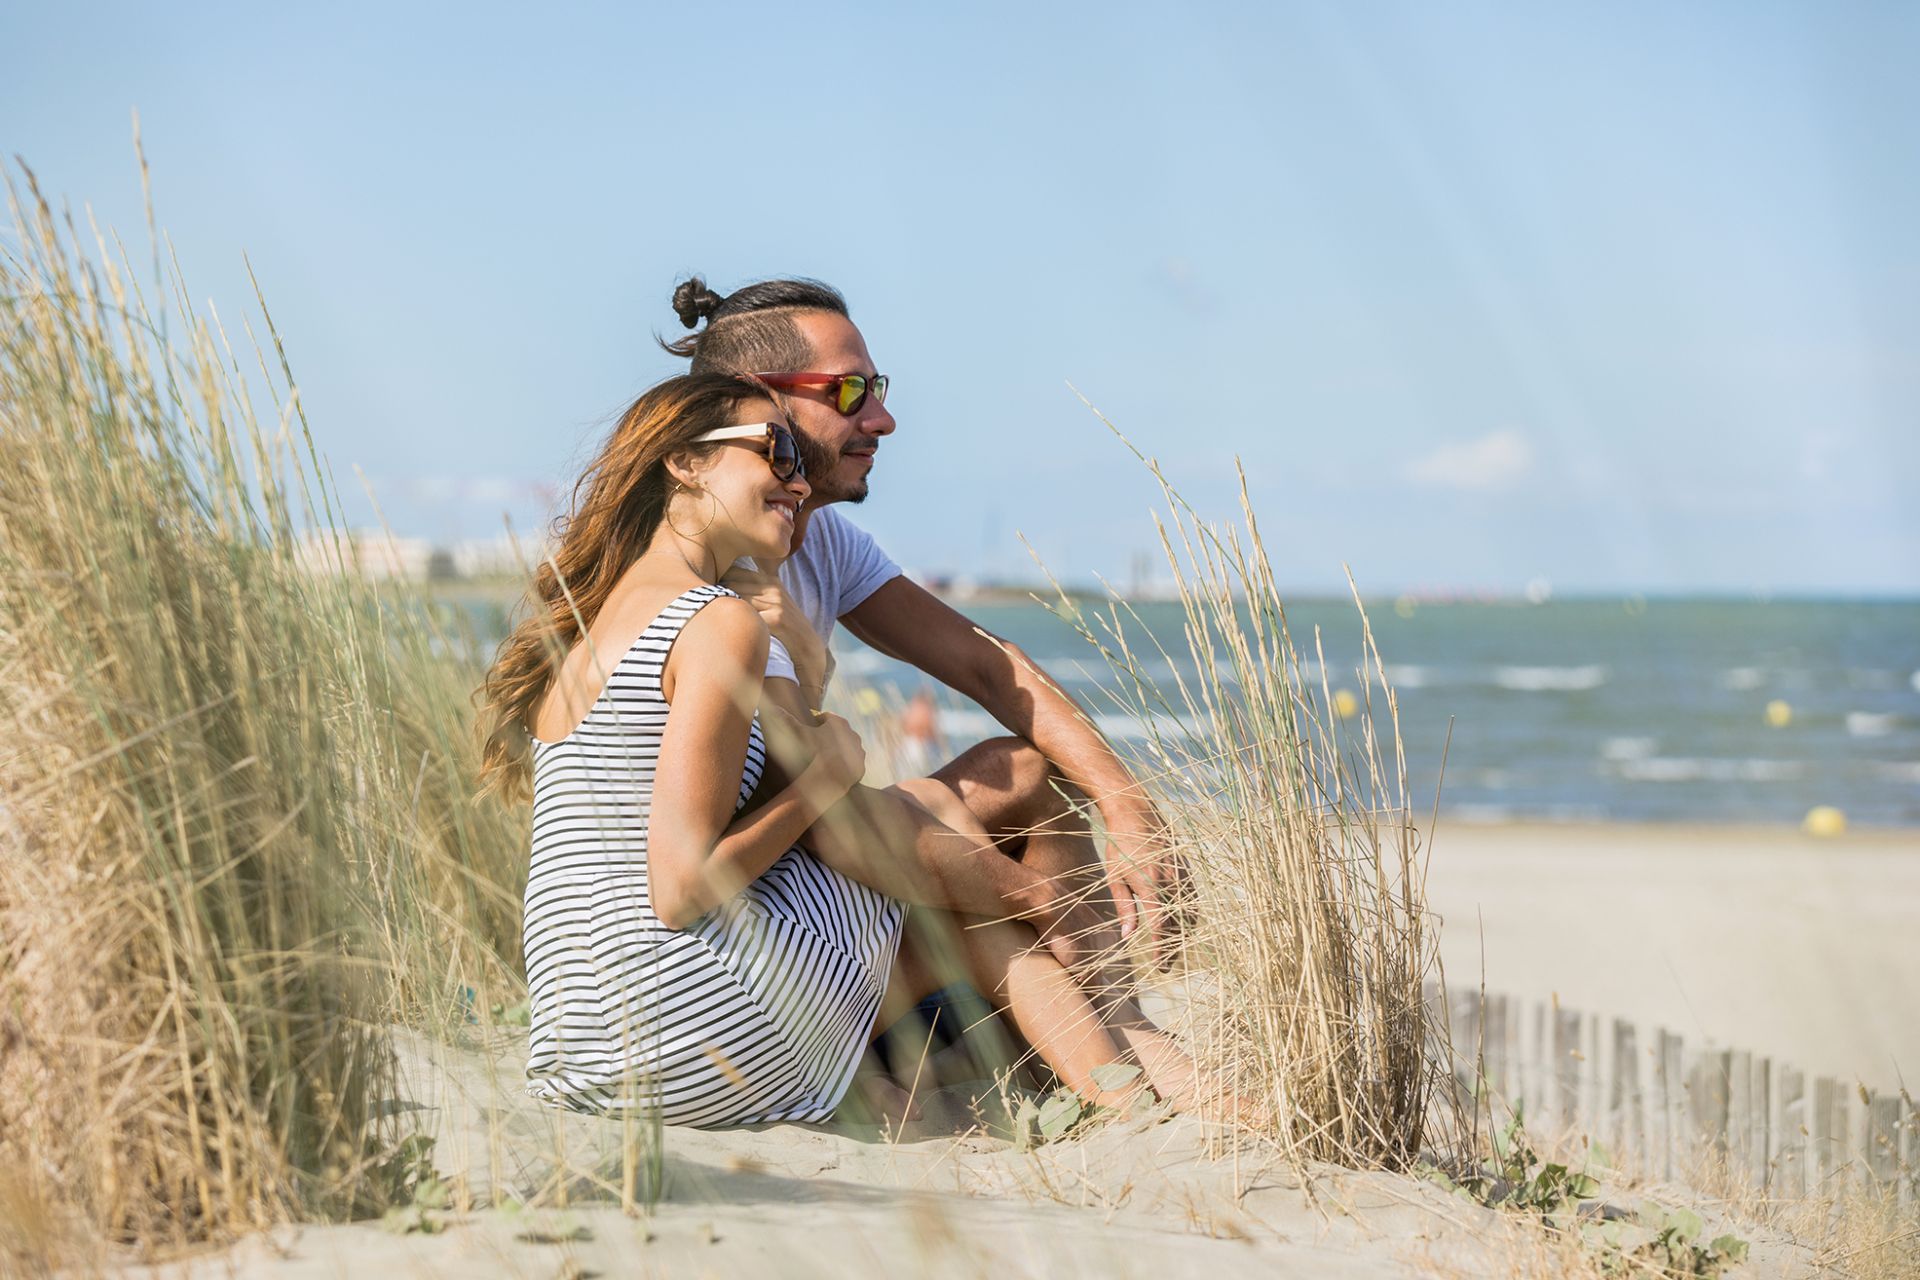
850 390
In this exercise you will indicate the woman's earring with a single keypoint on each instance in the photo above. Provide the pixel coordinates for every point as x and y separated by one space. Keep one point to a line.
712 511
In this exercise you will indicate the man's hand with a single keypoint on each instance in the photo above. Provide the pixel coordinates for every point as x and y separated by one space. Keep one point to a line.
1141 872
788 625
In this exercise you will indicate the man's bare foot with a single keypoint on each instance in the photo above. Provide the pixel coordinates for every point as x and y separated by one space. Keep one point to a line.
891 1104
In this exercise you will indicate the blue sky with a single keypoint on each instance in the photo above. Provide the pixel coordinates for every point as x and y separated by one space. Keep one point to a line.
1626 296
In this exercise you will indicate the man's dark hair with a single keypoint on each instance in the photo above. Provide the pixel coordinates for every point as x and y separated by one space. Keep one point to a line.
751 330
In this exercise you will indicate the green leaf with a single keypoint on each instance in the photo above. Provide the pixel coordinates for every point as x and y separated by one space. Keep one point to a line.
1598 1157
1058 1114
1685 1224
1583 1186
432 1194
1732 1246
1113 1076
408 1219
562 1230
1024 1120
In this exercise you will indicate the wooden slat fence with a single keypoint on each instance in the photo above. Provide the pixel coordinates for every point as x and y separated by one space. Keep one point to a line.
1677 1111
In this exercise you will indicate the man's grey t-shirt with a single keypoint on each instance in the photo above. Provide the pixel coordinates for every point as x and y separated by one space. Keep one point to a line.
836 568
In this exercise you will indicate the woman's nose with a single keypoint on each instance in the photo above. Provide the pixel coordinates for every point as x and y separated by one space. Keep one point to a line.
797 486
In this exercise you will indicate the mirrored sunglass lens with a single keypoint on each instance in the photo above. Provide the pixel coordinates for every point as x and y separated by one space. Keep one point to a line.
879 387
853 392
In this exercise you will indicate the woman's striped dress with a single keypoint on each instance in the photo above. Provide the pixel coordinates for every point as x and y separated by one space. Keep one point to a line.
758 1011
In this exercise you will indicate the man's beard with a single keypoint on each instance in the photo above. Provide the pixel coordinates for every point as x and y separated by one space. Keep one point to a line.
857 494
820 463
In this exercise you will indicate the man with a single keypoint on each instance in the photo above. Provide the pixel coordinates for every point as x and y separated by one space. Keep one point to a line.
797 336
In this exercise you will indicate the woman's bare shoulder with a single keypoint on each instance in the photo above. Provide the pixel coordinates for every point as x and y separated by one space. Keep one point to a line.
726 638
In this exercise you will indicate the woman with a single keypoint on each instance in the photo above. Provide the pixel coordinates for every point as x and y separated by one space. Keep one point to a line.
683 955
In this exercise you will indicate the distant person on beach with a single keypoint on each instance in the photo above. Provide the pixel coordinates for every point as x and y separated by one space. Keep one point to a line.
1005 793
686 955
921 745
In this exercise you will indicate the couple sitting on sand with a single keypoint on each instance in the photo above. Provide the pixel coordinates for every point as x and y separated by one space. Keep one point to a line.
716 910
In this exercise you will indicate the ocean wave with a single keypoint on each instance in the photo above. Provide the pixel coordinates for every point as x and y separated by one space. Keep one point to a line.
965 724
1478 811
1742 679
1551 679
1871 724
1628 748
1706 769
859 662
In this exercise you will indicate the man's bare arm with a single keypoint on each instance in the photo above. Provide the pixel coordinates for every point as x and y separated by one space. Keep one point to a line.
908 623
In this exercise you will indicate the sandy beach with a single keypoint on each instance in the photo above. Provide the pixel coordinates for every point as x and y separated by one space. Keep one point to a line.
1133 1197
1765 939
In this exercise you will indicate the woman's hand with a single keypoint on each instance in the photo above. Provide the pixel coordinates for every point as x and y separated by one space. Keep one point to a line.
839 760
792 736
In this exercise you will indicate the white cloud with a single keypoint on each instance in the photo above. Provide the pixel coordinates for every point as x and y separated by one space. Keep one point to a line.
1498 460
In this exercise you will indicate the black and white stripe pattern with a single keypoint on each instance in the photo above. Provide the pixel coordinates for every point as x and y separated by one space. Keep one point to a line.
757 1012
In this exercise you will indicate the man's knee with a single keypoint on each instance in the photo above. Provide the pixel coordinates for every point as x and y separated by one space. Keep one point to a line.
1010 786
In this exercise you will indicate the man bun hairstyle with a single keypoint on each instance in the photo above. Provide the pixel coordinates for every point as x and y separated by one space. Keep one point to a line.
694 302
752 329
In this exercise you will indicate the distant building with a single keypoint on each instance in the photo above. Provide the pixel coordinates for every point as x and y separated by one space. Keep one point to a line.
505 556
378 553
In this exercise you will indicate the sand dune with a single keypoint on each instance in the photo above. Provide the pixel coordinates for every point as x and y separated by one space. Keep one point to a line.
1762 939
1143 1197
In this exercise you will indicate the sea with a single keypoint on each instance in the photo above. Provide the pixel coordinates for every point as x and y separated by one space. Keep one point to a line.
1629 709
1633 709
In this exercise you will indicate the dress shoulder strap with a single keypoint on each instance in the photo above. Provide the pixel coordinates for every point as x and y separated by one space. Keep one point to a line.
647 659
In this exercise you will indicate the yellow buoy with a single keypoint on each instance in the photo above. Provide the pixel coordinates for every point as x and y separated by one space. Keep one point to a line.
1345 704
1824 820
1779 713
869 702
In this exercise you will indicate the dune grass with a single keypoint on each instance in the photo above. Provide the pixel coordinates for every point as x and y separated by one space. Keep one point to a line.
237 832
1303 905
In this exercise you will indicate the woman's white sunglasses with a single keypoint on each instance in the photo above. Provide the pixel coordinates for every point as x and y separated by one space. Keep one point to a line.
783 451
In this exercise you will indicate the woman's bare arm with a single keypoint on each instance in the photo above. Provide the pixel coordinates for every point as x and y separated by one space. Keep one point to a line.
699 853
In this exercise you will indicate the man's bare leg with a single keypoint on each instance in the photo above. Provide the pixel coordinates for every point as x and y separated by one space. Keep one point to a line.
922 841
1015 795
918 843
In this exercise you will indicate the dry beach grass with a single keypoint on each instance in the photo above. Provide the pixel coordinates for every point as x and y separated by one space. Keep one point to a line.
236 830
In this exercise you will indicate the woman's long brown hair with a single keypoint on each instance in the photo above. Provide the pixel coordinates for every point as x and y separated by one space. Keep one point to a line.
618 504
